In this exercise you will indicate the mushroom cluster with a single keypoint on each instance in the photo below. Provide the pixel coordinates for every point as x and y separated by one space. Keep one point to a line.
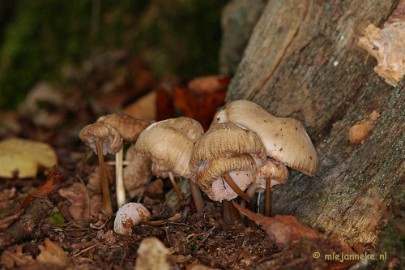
245 148
285 141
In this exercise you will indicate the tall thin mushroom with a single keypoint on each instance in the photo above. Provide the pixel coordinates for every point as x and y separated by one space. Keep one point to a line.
129 129
285 139
169 144
102 139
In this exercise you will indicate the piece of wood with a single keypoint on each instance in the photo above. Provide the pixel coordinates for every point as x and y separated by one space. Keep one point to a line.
302 61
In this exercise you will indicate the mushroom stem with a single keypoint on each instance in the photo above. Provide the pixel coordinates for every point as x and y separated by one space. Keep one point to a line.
226 213
235 187
267 207
196 193
106 207
176 187
119 182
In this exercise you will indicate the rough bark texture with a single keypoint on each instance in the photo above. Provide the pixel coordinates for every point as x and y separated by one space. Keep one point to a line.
302 62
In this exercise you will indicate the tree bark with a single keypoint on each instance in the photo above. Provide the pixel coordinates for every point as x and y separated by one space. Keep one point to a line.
302 61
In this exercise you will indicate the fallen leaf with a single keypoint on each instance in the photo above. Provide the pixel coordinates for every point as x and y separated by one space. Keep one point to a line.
209 84
51 253
83 207
14 257
52 183
201 107
282 229
20 157
143 108
286 231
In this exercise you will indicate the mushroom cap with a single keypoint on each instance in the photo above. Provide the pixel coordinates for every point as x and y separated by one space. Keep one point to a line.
276 171
109 138
169 143
219 117
285 139
227 139
128 127
214 170
128 215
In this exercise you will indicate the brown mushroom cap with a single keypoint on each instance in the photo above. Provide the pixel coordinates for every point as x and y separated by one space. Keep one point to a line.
214 170
109 138
285 139
128 127
169 143
226 139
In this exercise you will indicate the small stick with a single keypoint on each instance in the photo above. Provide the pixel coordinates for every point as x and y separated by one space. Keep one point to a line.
119 184
235 187
267 206
107 208
176 187
26 225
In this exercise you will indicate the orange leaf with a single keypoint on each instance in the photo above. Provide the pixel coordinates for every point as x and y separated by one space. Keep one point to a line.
52 183
282 229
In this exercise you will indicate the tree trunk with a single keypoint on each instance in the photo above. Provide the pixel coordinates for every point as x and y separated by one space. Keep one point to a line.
302 61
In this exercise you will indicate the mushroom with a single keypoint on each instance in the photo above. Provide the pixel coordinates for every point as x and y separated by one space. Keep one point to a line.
169 144
227 153
285 140
129 129
102 139
128 215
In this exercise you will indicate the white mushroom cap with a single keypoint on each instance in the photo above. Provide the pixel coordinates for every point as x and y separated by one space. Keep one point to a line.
227 139
285 139
169 144
128 215
109 138
240 168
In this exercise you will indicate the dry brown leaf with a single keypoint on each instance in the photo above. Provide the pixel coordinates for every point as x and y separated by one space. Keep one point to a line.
209 84
20 157
83 207
143 108
51 253
94 184
282 229
13 257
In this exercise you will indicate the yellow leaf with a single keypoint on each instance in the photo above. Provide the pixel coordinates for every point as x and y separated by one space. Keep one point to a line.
22 157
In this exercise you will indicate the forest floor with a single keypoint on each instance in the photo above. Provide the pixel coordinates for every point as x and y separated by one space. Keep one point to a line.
76 235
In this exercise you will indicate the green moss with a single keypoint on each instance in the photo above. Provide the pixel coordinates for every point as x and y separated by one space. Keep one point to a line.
37 42
392 239
174 36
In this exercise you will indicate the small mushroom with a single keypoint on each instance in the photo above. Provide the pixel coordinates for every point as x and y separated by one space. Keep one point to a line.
128 215
102 139
285 139
227 153
129 129
169 144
